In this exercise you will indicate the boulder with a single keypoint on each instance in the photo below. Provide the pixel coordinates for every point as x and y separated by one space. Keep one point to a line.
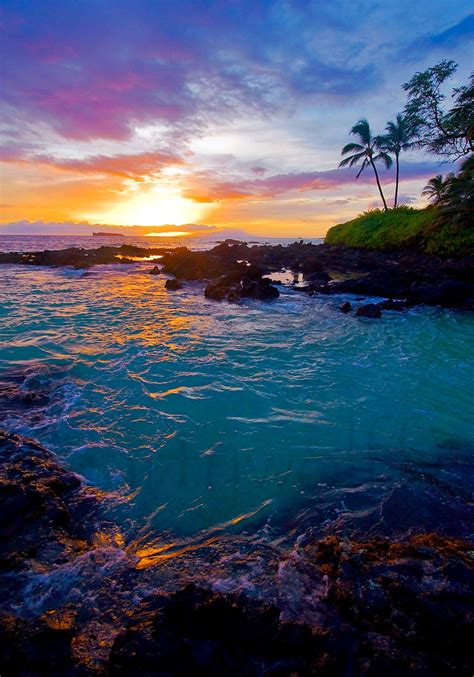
369 310
345 307
173 285
390 304
262 289
448 293
234 286
199 632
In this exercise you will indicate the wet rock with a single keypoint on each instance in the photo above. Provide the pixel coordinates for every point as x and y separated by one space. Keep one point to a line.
345 307
222 289
233 287
416 277
369 310
77 257
156 270
31 485
173 285
188 265
44 501
34 647
448 293
390 304
386 284
199 632
406 603
262 289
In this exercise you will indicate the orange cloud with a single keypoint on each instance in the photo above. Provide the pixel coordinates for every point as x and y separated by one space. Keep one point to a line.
125 166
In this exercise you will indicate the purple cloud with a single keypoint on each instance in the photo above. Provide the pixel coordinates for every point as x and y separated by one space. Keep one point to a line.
94 69
205 191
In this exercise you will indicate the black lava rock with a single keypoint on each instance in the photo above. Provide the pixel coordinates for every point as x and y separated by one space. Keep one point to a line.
369 310
173 285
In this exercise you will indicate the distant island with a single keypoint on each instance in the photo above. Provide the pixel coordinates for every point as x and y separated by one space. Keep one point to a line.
107 234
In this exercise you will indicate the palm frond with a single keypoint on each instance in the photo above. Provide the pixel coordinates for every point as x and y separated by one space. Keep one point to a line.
363 166
350 147
385 158
362 130
352 159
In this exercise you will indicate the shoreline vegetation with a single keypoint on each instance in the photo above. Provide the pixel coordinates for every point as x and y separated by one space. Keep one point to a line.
446 227
404 228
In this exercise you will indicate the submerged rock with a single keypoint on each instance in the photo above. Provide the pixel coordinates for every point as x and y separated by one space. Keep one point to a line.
345 307
390 304
369 310
173 285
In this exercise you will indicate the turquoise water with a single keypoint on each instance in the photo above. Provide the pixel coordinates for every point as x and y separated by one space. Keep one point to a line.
210 417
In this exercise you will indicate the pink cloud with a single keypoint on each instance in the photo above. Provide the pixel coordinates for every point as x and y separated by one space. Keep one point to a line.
126 166
201 189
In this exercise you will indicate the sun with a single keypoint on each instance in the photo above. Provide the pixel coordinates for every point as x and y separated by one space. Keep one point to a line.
153 207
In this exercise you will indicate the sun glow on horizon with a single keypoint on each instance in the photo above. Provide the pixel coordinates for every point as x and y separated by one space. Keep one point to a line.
153 207
170 233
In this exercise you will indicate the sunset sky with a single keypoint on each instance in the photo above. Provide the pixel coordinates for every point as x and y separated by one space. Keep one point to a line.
228 113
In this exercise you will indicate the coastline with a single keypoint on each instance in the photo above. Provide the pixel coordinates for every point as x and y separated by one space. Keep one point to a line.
360 576
408 276
369 593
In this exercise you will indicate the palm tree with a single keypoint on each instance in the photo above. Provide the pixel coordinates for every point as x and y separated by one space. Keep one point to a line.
456 204
435 188
367 152
400 137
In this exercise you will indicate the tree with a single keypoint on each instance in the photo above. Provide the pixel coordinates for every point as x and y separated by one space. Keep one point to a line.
400 137
367 152
435 188
443 132
456 205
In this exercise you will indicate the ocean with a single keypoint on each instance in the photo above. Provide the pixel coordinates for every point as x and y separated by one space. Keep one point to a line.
225 432
19 243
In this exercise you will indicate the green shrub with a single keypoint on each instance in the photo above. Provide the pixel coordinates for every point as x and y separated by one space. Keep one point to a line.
403 228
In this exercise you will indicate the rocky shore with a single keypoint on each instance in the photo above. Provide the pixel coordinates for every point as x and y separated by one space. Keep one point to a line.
369 596
365 580
234 270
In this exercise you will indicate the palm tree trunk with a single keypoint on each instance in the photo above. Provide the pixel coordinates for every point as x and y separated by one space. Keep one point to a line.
378 184
395 202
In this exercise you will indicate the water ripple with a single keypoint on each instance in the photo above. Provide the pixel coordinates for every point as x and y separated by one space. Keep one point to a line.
205 411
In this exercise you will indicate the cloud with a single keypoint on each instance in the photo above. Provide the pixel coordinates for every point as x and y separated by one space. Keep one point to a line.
460 32
125 166
97 95
273 186
404 199
457 34
96 70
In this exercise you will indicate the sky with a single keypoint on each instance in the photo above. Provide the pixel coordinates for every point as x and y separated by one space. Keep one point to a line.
228 113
